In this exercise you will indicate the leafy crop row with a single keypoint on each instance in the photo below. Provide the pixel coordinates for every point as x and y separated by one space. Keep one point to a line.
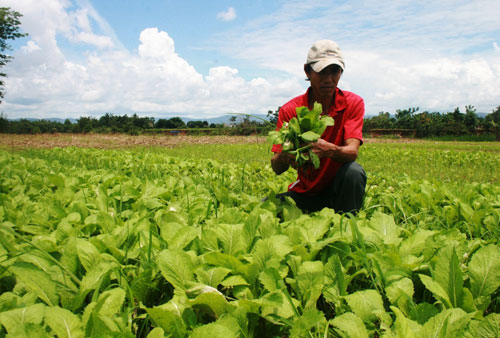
125 244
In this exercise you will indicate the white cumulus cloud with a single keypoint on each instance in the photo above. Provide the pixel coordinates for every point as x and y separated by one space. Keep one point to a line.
154 80
228 15
427 57
93 39
30 47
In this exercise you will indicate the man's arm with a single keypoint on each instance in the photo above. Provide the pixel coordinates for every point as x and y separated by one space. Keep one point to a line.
345 153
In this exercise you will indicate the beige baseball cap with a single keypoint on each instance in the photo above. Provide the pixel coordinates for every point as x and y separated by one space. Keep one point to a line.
324 53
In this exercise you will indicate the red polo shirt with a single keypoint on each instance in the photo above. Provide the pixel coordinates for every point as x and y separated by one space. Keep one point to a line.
348 112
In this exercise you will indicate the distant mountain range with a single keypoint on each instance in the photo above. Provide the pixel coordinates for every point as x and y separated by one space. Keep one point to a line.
216 120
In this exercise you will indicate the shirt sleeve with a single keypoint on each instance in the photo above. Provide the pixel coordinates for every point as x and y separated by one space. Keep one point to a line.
353 126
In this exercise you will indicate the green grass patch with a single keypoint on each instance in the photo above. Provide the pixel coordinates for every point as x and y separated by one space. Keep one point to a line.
440 161
443 162
487 137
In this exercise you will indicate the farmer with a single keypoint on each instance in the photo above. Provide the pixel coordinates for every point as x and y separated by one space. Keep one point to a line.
339 182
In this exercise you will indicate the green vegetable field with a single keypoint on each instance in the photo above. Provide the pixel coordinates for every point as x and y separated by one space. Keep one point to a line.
157 242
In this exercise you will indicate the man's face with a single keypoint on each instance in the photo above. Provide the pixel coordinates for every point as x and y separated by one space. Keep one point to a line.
324 83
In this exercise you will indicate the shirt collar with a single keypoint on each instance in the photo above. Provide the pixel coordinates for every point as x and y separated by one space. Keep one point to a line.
339 105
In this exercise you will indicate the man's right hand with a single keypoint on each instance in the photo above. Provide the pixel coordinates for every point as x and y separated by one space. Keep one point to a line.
280 162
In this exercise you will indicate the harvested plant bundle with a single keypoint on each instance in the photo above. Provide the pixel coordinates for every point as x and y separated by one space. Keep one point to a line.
297 134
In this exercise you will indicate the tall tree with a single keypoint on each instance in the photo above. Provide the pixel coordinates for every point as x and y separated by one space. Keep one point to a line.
404 118
273 116
9 30
493 121
470 119
176 122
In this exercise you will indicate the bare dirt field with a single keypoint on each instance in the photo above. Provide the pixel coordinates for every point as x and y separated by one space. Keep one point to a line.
118 141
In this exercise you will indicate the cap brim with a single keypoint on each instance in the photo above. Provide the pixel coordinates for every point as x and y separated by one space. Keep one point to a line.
322 64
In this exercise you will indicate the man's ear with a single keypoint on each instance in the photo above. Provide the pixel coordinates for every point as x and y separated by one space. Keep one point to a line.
307 70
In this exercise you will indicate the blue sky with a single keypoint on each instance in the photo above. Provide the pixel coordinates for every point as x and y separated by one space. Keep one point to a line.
199 59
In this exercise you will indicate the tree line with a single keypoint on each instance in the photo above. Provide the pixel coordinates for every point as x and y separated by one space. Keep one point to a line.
408 122
433 124
134 125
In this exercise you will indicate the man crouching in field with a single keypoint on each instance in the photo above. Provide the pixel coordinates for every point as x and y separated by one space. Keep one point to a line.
339 182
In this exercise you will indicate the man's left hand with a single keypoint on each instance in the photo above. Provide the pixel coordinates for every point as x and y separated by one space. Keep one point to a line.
324 148
345 153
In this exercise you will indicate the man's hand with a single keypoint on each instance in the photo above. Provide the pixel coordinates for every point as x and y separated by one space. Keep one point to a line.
324 148
280 162
346 153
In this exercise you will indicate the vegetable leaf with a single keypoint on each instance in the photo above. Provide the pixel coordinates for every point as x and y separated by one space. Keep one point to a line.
365 303
484 271
63 322
176 267
310 279
350 324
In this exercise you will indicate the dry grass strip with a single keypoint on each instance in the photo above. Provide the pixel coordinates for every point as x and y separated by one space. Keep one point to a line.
116 141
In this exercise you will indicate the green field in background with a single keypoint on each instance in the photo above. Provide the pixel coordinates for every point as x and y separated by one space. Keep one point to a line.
442 161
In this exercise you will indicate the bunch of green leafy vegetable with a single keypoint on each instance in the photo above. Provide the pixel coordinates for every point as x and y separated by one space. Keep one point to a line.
297 134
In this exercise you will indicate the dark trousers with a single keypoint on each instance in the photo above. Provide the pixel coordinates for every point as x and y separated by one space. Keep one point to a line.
344 194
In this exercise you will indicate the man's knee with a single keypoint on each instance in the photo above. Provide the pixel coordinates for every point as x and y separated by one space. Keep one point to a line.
354 173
